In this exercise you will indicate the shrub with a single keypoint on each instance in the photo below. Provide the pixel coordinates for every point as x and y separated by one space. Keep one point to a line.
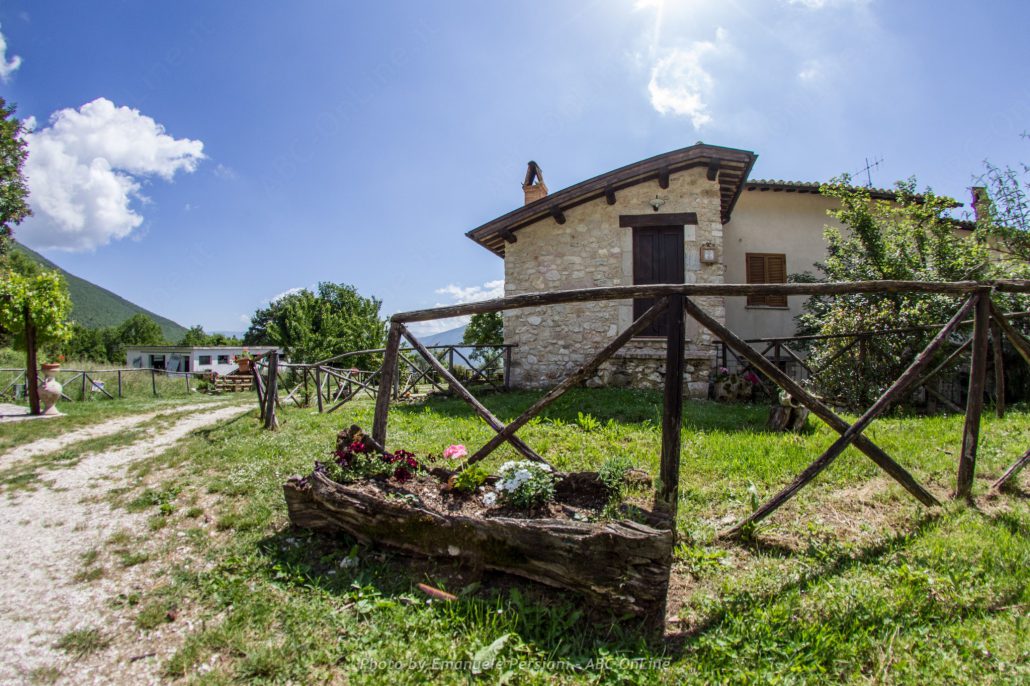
525 484
469 479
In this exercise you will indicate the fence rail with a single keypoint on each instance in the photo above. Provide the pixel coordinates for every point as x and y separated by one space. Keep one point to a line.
332 384
90 384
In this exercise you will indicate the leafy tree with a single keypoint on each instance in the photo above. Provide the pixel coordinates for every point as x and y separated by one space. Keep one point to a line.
139 329
911 238
1005 213
195 336
87 344
34 300
314 326
484 329
14 192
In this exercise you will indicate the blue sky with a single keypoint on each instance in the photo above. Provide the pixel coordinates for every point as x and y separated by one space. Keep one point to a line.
201 158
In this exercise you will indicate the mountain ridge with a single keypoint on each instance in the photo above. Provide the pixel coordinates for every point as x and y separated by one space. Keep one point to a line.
94 306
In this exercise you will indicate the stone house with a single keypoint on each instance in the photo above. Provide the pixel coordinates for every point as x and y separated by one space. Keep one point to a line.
687 216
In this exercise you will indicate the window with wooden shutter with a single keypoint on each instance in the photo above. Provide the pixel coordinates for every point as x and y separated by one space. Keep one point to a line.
766 268
657 258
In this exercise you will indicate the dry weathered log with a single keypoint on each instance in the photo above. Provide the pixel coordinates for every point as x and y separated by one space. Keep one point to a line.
623 566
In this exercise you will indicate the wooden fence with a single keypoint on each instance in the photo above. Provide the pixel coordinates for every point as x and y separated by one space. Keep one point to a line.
674 301
89 384
790 353
332 384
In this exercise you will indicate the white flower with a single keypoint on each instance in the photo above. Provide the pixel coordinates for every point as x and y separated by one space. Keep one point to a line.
489 499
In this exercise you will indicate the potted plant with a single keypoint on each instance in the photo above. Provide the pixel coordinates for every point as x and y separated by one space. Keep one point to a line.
49 388
244 361
51 368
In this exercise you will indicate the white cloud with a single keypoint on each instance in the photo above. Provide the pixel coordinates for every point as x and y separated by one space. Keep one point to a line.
458 295
471 294
7 67
681 84
820 4
811 70
224 172
288 291
85 171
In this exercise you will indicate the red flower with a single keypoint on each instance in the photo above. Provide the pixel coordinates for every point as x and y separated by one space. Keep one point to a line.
401 474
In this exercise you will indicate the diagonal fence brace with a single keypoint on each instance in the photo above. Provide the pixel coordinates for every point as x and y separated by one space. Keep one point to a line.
465 395
896 391
582 374
817 407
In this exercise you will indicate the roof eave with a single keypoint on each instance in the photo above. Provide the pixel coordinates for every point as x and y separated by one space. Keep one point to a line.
741 162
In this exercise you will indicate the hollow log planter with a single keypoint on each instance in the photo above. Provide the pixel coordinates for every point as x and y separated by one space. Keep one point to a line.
623 566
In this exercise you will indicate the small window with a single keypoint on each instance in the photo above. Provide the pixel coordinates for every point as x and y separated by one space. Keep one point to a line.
204 359
223 359
766 268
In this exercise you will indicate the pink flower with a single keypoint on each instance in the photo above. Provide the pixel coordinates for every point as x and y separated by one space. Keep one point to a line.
455 452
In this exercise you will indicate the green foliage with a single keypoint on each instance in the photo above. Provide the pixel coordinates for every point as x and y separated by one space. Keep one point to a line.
912 238
1005 213
470 478
14 206
139 329
196 337
525 484
484 329
612 473
43 295
315 326
108 343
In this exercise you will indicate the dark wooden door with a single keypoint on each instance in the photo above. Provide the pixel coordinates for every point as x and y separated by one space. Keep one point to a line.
657 258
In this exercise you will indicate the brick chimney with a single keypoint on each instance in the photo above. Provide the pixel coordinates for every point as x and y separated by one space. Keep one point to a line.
981 203
534 187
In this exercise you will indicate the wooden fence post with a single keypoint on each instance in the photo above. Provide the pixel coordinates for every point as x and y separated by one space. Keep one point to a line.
672 411
999 368
318 387
272 391
975 399
259 389
386 379
507 368
119 383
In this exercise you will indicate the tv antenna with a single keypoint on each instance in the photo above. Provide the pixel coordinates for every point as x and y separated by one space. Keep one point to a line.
868 169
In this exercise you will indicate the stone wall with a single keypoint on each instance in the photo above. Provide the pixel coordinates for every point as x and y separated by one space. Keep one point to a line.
590 250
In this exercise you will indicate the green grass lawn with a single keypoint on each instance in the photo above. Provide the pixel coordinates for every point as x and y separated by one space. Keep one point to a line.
852 582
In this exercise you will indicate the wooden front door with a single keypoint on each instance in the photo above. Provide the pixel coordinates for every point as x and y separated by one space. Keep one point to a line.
657 258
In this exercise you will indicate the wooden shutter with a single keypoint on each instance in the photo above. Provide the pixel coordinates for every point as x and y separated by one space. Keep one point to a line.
657 258
766 268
